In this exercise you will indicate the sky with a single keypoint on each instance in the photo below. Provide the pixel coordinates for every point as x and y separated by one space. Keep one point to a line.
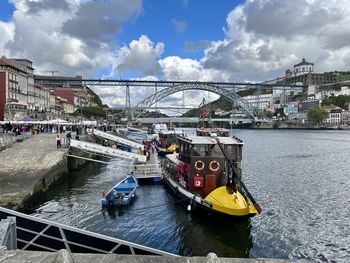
201 40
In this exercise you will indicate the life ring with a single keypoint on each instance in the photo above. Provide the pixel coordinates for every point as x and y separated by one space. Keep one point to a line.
214 166
199 165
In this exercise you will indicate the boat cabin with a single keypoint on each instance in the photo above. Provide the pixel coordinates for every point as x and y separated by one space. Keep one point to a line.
202 166
158 127
221 132
166 138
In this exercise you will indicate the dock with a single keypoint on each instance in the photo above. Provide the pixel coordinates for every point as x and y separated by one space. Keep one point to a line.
149 170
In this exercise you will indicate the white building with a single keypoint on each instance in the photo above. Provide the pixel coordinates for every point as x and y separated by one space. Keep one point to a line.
260 101
335 116
302 68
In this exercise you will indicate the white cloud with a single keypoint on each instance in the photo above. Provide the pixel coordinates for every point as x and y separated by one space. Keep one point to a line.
45 32
7 33
140 56
262 39
176 68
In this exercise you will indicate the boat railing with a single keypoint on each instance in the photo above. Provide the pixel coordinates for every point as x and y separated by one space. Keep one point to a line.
147 170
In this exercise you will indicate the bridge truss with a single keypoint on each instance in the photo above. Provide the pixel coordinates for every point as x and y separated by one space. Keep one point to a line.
226 89
238 101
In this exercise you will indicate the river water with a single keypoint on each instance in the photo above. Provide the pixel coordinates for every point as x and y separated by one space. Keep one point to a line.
300 178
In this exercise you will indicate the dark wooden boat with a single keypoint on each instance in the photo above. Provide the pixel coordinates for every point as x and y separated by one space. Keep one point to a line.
213 132
207 179
167 142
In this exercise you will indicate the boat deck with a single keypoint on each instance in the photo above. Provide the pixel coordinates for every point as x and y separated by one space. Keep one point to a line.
150 170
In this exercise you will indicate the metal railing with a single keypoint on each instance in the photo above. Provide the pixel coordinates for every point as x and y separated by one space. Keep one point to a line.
147 170
39 234
8 234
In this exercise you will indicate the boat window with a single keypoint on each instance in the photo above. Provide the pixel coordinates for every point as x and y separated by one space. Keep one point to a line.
215 151
187 149
233 152
198 150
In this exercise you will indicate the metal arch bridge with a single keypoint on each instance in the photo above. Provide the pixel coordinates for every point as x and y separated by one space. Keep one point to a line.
226 89
55 81
247 108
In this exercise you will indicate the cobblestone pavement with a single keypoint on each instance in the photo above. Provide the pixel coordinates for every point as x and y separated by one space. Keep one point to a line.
23 164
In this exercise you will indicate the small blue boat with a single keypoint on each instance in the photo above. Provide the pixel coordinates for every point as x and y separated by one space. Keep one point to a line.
122 193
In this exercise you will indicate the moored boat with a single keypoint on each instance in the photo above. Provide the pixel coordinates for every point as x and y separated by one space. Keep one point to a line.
166 142
220 132
122 193
206 175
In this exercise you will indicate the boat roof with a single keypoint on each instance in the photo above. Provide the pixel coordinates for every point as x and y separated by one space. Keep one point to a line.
192 139
170 132
212 129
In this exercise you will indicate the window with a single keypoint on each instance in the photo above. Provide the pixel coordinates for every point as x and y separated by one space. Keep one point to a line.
198 150
215 150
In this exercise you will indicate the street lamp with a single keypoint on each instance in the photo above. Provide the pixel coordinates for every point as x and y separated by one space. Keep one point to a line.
81 111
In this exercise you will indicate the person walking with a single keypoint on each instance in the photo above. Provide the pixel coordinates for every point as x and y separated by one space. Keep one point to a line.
58 140
69 136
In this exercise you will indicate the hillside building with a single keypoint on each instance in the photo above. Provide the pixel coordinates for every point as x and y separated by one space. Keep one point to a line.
303 73
23 98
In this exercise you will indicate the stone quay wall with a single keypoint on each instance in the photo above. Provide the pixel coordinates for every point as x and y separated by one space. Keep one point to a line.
29 168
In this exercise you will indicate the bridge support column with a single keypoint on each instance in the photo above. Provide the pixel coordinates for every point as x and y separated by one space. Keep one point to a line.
130 116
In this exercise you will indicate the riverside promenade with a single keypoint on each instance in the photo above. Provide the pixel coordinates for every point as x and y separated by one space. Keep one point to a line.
28 169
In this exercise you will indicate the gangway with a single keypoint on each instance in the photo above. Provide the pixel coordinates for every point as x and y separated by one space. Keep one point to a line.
138 136
118 139
105 151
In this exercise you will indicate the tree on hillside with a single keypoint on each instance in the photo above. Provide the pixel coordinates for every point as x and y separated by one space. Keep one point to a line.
339 101
317 115
89 112
95 97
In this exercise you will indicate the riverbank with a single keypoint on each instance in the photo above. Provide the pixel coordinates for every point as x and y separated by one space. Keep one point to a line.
294 126
30 168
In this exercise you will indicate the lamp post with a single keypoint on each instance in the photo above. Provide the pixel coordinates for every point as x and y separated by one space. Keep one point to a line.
81 111
9 109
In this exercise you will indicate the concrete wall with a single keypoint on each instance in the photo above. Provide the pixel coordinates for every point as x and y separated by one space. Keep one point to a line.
11 256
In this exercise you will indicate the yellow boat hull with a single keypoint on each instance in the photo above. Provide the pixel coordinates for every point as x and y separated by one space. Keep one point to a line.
231 204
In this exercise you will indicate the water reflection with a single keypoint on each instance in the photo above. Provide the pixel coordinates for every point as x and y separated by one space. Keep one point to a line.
227 240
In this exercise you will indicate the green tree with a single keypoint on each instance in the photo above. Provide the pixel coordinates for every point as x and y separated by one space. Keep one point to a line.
317 115
89 112
339 101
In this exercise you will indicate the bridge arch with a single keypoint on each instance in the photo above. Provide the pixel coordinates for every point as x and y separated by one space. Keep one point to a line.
237 100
